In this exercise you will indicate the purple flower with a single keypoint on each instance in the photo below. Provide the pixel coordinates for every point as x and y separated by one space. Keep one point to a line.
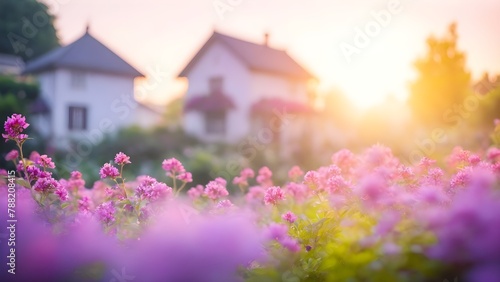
122 159
195 192
14 126
108 170
172 166
12 155
106 212
46 162
276 231
273 195
295 172
46 184
62 193
289 216
215 190
152 190
185 177
264 177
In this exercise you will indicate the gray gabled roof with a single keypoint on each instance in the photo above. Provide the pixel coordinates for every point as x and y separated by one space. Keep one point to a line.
11 60
86 53
255 56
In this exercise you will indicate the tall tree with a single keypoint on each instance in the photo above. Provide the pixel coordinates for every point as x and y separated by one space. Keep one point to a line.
443 81
26 28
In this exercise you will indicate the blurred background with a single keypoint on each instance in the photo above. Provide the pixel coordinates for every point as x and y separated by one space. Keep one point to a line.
223 85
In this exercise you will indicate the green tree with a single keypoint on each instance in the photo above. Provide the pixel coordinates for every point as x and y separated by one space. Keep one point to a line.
443 81
26 28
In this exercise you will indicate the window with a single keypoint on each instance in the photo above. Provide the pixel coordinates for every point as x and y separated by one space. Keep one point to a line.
77 118
215 85
215 123
77 80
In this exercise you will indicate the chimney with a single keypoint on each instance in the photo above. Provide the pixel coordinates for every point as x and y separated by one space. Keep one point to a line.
266 39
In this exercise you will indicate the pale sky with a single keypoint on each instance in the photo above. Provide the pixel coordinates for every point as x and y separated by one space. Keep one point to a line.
163 35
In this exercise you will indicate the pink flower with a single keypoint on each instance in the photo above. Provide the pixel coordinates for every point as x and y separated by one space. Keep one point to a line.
185 177
264 177
493 153
273 195
215 190
106 212
76 181
298 191
12 155
152 190
195 192
46 184
224 204
426 163
14 126
290 244
344 158
255 194
122 159
247 173
295 172
34 173
84 204
62 193
244 175
276 231
336 184
34 156
289 216
46 162
172 166
311 179
108 170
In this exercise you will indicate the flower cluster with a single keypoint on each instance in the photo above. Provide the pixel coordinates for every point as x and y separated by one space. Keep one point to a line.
360 217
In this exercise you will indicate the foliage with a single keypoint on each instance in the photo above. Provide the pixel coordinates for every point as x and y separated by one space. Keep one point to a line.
25 91
443 81
27 28
365 217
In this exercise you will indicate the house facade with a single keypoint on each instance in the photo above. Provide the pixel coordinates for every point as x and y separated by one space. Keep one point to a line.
86 92
239 88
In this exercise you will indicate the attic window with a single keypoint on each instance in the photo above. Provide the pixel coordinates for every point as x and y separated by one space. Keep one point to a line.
216 84
77 118
77 80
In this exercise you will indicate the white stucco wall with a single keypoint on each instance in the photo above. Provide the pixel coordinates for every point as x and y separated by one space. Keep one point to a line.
219 61
267 85
107 97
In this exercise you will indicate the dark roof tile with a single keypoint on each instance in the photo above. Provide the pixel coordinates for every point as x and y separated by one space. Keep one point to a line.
85 53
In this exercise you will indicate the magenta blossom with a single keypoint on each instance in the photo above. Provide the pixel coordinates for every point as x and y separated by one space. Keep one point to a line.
12 155
295 172
215 190
14 126
264 177
62 193
273 195
195 192
122 159
45 162
289 216
106 212
108 170
185 177
172 166
46 184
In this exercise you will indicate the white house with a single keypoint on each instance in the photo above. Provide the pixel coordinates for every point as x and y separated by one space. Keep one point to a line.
86 92
238 89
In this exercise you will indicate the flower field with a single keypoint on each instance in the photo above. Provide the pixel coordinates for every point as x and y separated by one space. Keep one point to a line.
361 217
